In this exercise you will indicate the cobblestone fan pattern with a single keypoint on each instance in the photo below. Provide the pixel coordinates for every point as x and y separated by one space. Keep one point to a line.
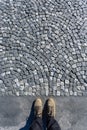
43 47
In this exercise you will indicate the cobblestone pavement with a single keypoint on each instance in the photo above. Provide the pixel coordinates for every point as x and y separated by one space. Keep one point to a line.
43 47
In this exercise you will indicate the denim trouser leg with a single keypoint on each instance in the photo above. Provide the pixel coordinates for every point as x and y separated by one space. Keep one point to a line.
37 124
52 124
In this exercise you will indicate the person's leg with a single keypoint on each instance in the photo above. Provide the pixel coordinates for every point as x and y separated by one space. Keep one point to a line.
52 124
37 123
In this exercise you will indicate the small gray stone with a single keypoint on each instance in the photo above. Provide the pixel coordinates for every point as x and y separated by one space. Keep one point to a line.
1 81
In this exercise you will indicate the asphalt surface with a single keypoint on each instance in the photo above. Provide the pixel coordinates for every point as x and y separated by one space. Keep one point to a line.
16 113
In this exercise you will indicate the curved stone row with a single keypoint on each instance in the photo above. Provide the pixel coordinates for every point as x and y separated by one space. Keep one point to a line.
43 47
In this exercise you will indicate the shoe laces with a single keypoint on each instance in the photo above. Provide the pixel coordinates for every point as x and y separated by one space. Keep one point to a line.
38 111
50 110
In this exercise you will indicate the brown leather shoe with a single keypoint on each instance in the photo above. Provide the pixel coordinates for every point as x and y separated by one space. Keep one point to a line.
38 108
51 109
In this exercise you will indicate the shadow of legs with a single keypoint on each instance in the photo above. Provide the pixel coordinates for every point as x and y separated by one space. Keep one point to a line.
30 119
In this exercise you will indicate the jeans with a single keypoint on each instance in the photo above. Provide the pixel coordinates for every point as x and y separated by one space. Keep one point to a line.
52 124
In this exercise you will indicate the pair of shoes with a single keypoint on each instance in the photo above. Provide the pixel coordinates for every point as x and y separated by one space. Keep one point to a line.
38 107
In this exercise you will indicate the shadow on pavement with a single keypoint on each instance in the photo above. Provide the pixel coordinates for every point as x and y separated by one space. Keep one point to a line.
30 119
